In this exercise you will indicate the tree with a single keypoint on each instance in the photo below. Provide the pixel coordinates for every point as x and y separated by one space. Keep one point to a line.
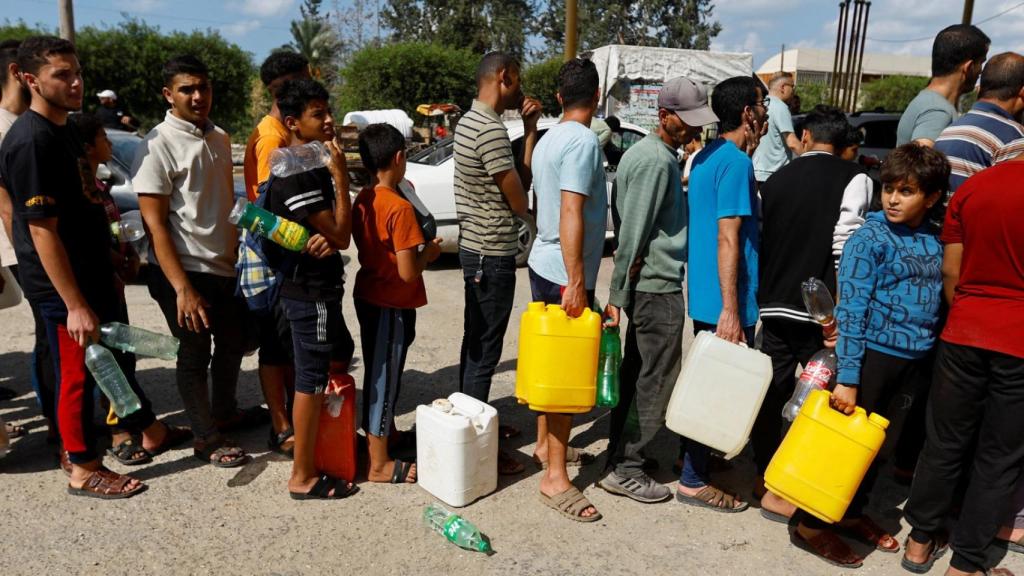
811 95
315 40
356 25
406 75
891 93
480 25
540 80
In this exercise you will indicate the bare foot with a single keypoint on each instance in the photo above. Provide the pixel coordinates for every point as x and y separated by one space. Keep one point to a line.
551 487
918 552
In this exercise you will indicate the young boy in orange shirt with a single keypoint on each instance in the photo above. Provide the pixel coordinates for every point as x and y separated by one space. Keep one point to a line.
389 287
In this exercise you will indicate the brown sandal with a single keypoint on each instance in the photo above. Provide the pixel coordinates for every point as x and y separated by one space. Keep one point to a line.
571 503
106 485
868 531
829 548
713 499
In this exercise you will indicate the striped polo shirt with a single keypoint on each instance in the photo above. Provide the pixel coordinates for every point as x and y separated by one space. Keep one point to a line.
970 142
482 151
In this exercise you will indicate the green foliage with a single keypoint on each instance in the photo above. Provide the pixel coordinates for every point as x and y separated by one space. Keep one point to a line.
811 95
315 40
480 25
128 58
540 80
406 75
891 93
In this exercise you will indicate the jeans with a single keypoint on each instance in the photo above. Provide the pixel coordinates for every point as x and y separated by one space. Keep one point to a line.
979 394
489 298
650 366
695 455
230 330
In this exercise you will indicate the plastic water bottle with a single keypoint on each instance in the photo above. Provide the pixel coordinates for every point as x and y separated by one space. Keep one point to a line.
455 528
819 373
256 220
111 380
135 340
608 368
292 160
128 230
819 304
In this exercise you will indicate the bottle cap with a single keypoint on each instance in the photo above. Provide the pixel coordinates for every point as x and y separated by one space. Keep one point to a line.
879 420
442 404
237 210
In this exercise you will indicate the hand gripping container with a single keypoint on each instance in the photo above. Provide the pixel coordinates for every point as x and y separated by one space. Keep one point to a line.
719 393
557 366
457 449
824 457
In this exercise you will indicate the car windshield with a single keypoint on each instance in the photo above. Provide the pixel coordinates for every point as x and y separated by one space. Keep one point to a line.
124 150
435 154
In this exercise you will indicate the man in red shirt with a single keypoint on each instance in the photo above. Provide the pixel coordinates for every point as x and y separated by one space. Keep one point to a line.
978 389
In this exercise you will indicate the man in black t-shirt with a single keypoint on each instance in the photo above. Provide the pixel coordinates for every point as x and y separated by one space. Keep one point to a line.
113 116
62 239
312 289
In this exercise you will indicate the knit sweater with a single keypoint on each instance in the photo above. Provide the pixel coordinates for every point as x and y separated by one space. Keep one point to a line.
890 287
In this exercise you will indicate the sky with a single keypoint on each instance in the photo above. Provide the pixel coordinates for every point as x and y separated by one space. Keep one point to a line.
757 26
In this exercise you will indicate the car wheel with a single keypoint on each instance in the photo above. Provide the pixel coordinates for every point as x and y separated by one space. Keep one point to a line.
527 234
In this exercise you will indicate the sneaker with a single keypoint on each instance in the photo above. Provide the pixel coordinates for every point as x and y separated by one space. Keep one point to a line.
641 488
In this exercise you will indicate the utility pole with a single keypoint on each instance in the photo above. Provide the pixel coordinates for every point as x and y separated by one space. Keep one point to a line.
67 20
570 29
782 59
968 11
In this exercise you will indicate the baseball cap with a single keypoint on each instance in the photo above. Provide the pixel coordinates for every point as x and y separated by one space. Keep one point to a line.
689 100
107 94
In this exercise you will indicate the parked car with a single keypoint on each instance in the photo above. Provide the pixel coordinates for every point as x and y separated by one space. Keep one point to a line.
432 172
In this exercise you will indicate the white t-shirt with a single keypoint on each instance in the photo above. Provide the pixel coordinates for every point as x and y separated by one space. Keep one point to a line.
192 166
7 256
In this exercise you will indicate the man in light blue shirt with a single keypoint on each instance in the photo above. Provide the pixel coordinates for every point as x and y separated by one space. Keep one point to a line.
779 145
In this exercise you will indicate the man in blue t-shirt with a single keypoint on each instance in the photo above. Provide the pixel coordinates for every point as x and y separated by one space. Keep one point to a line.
722 279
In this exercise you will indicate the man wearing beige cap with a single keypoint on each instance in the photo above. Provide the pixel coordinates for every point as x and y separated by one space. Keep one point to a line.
113 116
648 283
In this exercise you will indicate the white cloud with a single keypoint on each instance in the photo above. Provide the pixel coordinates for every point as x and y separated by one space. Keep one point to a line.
262 8
140 5
240 28
746 7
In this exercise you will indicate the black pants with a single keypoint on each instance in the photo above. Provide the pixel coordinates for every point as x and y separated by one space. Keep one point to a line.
44 379
975 392
490 283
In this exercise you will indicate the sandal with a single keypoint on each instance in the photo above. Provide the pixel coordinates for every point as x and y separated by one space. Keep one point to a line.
176 436
571 503
939 548
245 419
714 499
868 531
277 440
130 453
106 485
15 430
573 459
400 472
829 548
64 461
215 455
508 465
322 489
1016 545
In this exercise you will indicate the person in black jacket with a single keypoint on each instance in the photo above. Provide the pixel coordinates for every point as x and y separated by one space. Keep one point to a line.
810 208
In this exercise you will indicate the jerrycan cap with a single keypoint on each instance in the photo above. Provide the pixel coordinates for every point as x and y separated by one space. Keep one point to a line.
445 405
879 420
535 307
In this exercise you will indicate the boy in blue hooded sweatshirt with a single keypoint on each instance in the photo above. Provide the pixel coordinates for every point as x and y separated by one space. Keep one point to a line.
890 287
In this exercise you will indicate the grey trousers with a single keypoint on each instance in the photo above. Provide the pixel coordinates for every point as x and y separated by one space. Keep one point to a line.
650 365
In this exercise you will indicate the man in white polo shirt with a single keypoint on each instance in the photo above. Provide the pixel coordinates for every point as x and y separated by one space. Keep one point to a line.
182 174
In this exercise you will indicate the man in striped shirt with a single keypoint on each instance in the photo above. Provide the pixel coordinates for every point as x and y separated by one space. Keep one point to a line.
993 122
490 193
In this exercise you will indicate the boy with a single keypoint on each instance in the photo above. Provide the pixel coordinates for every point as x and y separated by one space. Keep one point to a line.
890 287
312 287
389 287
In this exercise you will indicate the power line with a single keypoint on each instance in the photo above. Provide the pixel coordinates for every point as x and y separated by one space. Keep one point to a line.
989 19
80 6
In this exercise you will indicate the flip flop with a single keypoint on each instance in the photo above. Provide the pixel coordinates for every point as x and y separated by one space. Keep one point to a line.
322 489
570 503
869 532
106 485
176 436
823 546
775 517
400 471
923 567
214 454
277 440
1015 546
126 453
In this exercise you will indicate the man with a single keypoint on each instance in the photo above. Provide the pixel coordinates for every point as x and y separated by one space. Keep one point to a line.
780 144
829 198
723 247
977 397
648 283
957 56
993 121
113 116
277 372
572 208
490 197
62 237
183 177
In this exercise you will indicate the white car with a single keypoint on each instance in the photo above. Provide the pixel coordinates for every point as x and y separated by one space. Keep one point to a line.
432 172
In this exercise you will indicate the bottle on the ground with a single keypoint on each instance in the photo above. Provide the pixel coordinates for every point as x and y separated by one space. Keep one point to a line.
819 303
292 160
128 230
109 377
135 340
608 362
256 220
818 374
5 440
455 528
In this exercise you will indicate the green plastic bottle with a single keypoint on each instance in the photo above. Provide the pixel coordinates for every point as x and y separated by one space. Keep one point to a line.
608 368
281 231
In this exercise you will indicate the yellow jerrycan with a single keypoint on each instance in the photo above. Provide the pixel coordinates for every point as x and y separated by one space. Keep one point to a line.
557 366
824 457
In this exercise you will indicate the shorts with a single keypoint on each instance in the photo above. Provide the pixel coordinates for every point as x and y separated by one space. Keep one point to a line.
546 291
275 333
319 337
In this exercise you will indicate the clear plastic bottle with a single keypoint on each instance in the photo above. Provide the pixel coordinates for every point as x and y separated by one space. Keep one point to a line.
292 160
455 528
135 340
819 303
819 373
111 380
608 368
128 230
256 220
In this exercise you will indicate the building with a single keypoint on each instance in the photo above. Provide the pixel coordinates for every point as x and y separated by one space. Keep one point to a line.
814 66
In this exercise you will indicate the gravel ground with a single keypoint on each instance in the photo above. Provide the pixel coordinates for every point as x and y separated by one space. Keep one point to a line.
199 520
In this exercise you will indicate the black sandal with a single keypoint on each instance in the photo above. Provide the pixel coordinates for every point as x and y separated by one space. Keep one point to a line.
322 489
130 453
400 472
277 440
215 453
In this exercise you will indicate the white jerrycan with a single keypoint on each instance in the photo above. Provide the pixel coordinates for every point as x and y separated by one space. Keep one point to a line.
457 449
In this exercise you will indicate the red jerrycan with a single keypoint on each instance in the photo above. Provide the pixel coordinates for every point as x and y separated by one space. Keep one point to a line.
336 434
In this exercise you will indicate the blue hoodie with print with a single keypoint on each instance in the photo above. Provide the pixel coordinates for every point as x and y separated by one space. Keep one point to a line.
890 288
